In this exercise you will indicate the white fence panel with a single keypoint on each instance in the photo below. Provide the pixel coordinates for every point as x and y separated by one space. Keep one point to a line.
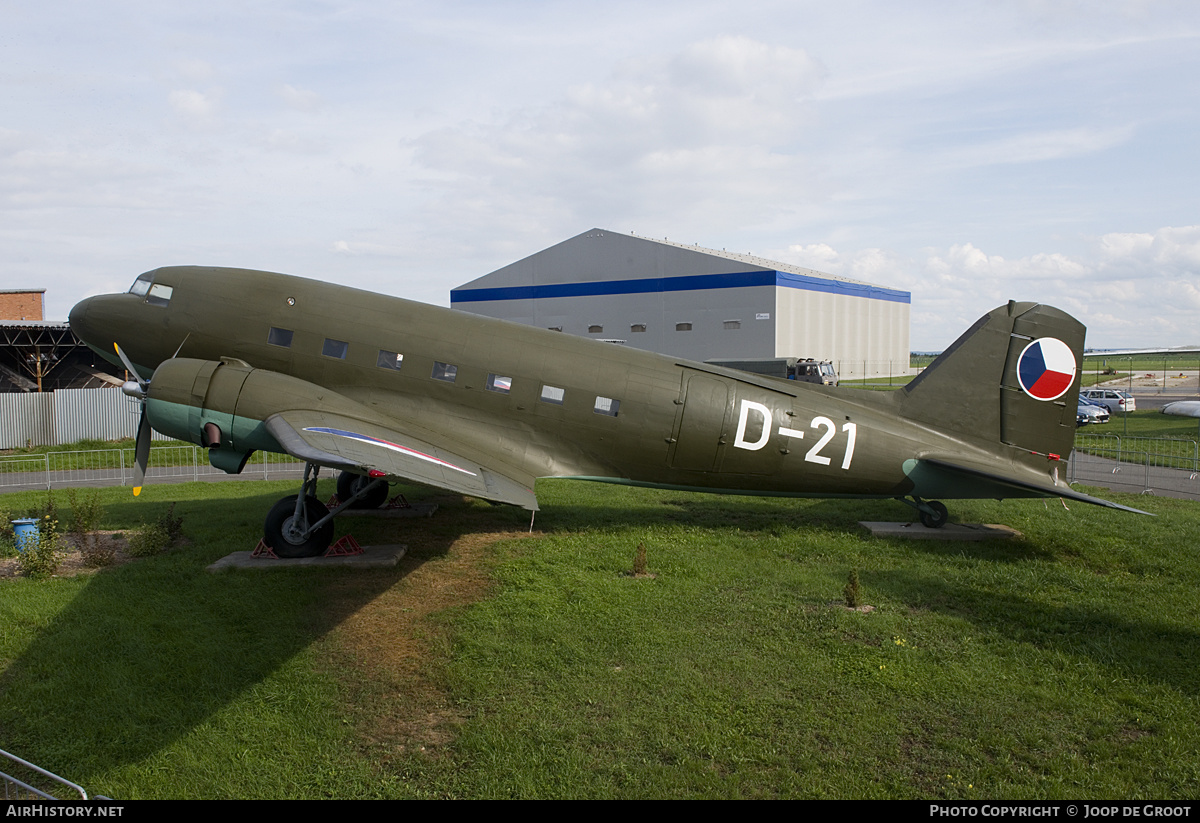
26 420
67 416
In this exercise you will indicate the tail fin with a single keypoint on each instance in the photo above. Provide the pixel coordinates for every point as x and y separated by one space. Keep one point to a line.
1012 378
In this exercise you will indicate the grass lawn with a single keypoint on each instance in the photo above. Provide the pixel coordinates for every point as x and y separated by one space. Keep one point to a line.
1147 423
495 663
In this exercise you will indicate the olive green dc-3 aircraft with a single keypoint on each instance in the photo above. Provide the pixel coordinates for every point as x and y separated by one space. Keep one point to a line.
383 389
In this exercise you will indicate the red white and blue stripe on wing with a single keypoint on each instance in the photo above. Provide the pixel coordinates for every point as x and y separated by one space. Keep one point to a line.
387 444
1046 368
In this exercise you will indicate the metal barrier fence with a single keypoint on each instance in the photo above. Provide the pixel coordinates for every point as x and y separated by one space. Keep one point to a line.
116 466
17 789
1146 465
1159 452
1148 462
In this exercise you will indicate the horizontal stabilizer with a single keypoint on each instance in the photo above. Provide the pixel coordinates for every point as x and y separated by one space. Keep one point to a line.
1016 487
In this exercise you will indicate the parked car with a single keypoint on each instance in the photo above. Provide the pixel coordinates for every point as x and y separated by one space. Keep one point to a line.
1113 399
1090 412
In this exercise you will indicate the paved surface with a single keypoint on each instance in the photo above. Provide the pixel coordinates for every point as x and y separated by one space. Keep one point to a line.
373 557
414 510
1153 399
1134 478
950 531
97 478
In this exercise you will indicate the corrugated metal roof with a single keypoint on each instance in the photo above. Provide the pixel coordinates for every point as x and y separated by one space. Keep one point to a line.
60 325
753 260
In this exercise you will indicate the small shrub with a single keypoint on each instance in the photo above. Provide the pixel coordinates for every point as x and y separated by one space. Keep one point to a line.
152 538
147 539
86 511
852 593
49 511
96 554
171 525
6 526
41 561
639 560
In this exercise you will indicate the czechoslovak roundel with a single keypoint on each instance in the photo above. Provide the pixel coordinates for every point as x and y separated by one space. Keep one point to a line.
1046 368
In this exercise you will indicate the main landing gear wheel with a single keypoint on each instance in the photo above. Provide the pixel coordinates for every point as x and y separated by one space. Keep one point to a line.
350 484
283 534
938 518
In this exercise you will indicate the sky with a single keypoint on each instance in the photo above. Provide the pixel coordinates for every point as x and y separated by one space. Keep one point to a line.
970 152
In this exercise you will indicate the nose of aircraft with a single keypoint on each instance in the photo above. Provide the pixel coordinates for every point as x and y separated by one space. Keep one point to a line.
97 322
78 319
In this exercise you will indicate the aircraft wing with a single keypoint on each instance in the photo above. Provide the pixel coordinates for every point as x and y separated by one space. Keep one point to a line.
1015 487
343 442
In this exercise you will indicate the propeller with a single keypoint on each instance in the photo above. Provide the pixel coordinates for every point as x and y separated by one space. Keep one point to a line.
138 387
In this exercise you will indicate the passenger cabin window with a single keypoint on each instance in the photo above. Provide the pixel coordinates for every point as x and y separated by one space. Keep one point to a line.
606 406
160 294
280 337
636 327
390 360
594 329
733 324
553 394
499 383
444 371
335 348
683 327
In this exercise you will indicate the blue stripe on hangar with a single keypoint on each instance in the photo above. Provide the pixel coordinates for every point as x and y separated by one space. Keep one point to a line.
693 282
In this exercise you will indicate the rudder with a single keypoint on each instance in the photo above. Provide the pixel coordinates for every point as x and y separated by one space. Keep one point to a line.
1013 377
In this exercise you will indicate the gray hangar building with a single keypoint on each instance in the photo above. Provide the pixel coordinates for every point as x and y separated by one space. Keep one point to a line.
697 303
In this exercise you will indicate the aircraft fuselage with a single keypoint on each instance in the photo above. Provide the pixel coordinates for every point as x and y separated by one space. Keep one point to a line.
541 403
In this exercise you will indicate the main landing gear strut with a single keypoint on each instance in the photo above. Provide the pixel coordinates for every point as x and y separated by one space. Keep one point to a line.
933 513
301 525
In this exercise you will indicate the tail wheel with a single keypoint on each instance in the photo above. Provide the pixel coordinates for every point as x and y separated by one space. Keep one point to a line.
350 484
937 518
280 530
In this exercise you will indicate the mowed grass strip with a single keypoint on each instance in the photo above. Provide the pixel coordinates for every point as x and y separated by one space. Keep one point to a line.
499 664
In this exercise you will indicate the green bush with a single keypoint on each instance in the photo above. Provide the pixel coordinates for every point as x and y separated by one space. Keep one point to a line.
86 511
852 592
147 539
41 561
152 538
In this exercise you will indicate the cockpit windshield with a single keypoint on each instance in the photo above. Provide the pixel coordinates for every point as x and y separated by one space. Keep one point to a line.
142 284
157 294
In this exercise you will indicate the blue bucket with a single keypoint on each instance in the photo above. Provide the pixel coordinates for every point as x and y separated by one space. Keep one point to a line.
26 530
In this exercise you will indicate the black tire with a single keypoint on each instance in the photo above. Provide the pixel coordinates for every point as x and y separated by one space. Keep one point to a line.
349 484
275 529
938 518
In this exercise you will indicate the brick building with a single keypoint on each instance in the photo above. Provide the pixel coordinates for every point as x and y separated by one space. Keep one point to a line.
21 304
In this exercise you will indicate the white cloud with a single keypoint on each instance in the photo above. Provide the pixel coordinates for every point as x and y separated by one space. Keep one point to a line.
820 256
299 99
192 104
691 135
1174 247
195 71
1039 146
1131 289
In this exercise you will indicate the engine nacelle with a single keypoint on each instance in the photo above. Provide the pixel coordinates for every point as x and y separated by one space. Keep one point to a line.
198 401
222 405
